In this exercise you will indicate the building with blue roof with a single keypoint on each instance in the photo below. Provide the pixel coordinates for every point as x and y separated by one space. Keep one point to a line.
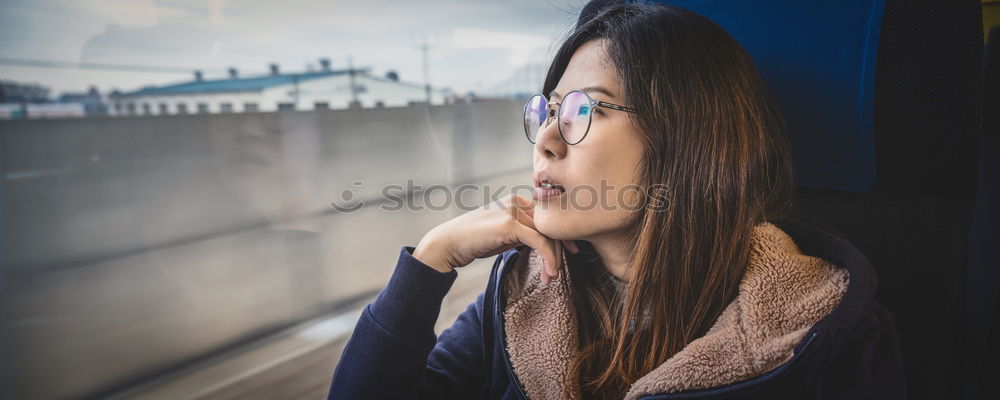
326 88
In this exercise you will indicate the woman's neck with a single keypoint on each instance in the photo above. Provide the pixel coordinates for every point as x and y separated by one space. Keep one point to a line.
612 253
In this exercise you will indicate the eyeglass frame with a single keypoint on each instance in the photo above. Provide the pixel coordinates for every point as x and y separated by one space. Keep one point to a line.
590 116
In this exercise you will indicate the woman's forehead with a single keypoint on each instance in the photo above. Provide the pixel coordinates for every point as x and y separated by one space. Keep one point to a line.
589 70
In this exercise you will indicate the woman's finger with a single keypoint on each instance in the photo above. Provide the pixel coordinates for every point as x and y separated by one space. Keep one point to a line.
571 246
523 204
525 219
553 271
559 255
543 245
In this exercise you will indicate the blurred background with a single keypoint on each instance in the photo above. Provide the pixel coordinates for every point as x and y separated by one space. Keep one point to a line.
169 168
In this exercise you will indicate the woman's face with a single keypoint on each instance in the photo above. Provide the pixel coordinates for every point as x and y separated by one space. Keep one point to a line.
597 174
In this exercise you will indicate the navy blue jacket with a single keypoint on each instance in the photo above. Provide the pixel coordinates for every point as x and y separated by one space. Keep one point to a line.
852 353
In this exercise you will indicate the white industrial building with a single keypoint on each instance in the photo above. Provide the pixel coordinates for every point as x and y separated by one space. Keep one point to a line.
323 89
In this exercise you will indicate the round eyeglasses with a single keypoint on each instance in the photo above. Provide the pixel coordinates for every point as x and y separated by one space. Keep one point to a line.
575 114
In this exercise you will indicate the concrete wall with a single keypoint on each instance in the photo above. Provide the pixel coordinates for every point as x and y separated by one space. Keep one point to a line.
132 245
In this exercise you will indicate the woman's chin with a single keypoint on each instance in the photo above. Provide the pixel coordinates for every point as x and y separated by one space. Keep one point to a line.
553 225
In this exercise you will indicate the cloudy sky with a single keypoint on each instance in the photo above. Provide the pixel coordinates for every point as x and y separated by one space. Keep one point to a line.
474 44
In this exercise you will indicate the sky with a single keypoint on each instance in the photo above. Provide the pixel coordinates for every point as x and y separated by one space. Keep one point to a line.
474 45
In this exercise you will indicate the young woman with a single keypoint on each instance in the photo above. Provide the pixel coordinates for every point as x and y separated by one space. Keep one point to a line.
650 262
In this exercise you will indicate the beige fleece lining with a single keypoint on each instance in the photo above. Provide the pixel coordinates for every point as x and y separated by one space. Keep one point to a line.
782 294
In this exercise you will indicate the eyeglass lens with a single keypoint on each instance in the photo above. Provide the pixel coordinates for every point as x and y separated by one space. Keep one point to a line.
535 113
574 116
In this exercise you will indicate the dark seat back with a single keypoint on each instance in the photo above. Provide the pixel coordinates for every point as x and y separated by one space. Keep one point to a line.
982 336
902 184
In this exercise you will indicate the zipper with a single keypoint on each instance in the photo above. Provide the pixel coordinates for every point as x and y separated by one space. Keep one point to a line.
740 385
498 321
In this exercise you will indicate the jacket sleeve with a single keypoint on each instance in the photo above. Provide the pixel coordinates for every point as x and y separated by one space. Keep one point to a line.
871 366
393 351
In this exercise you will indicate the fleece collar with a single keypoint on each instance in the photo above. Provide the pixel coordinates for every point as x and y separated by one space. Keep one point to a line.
782 294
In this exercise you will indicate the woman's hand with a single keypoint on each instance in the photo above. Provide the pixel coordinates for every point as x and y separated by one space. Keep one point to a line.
488 231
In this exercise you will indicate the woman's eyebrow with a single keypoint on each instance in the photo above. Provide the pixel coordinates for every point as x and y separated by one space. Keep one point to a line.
588 90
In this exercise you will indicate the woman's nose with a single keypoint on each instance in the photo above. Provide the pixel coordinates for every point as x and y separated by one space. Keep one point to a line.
549 144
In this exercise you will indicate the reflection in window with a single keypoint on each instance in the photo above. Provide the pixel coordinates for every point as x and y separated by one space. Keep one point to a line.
213 200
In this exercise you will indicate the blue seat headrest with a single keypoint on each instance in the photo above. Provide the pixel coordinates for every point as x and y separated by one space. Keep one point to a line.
818 60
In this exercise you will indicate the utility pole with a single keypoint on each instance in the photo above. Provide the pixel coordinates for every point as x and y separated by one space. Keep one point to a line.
427 79
354 87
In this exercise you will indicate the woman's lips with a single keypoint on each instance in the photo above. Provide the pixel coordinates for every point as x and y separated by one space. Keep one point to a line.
545 190
542 193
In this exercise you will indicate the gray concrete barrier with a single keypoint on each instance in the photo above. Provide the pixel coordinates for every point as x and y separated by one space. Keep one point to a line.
133 245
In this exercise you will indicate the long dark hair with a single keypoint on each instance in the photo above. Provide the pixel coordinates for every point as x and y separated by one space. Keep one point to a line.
712 134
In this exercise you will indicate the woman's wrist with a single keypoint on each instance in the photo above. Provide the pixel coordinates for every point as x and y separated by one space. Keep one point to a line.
429 253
